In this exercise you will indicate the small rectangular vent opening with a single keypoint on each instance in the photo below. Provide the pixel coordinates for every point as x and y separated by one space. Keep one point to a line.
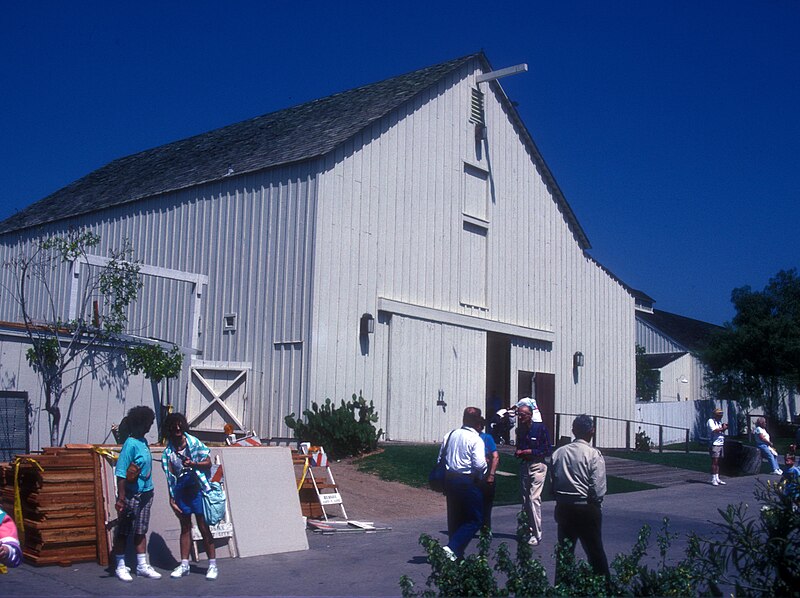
476 108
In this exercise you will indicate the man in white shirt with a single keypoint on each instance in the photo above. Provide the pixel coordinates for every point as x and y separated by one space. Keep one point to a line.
465 457
716 439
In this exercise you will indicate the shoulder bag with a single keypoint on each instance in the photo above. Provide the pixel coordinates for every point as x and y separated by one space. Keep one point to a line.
439 471
214 504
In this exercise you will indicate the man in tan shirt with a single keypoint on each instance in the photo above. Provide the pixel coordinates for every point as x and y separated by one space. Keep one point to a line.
579 484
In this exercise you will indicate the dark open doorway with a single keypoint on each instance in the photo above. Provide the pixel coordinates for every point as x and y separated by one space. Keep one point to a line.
542 387
498 374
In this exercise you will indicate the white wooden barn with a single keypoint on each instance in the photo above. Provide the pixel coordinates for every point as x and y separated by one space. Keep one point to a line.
404 239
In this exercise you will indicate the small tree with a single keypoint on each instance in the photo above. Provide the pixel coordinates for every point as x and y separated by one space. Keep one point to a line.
66 349
648 380
156 364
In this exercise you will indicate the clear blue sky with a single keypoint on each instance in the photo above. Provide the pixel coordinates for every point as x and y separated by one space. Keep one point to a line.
673 128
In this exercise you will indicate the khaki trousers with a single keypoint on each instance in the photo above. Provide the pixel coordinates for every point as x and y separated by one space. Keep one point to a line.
532 477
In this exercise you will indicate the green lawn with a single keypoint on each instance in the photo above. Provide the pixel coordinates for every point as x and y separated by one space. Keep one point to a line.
410 464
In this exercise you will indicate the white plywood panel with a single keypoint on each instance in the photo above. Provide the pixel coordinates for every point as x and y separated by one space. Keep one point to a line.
261 491
264 504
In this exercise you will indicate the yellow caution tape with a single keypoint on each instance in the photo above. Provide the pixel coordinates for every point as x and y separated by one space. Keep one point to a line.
18 499
303 477
110 455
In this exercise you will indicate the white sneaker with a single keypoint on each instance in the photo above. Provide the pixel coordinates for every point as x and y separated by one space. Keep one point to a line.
147 571
123 573
721 482
778 472
714 482
179 571
212 572
448 552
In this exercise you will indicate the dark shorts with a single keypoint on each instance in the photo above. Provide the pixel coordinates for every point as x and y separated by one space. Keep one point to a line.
717 451
188 496
135 517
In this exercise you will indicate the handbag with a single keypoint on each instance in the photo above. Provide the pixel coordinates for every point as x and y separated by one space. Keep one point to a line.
214 504
439 471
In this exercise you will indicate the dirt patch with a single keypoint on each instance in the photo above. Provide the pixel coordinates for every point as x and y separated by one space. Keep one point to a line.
366 497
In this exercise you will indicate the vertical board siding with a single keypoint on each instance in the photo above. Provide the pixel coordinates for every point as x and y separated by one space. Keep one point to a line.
252 236
435 371
654 341
690 366
413 169
103 397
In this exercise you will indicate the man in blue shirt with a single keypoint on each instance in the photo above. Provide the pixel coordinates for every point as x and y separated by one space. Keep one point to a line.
533 446
487 484
134 495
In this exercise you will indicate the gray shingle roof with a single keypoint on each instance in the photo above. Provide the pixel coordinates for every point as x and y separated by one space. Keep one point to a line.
292 135
657 361
689 333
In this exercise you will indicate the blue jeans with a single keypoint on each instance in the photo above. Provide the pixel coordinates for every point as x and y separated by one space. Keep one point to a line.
464 511
773 461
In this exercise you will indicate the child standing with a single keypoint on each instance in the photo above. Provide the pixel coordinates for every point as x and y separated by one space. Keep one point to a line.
135 495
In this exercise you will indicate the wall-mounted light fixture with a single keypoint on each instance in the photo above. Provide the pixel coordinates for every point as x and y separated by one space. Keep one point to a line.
367 324
577 360
682 380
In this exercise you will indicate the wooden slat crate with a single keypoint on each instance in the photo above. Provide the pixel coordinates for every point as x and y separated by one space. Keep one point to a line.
61 505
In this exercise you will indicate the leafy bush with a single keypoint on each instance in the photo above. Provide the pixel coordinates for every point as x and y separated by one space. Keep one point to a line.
757 556
643 442
474 576
155 362
752 557
342 431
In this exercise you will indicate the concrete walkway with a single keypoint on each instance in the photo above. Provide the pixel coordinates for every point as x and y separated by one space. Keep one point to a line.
650 473
371 564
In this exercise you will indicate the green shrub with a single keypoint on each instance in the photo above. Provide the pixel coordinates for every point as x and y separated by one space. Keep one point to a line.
757 556
526 576
342 431
752 556
643 442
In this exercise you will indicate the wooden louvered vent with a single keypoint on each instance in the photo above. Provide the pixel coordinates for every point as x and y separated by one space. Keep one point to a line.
476 108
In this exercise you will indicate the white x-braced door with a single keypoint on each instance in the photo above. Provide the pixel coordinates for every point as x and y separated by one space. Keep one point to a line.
218 396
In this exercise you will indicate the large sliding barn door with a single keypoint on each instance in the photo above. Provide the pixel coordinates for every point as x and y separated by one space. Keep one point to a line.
435 370
218 396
